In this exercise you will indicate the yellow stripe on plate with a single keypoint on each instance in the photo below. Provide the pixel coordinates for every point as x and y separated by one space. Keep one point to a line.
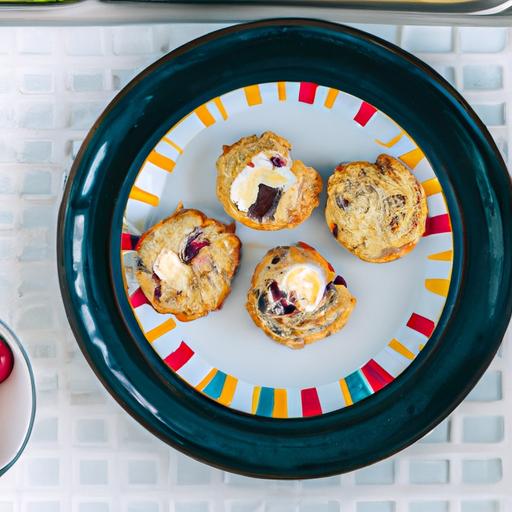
392 141
255 398
401 349
138 194
441 256
206 380
432 186
221 108
281 91
160 330
161 161
438 286
345 392
228 391
331 98
252 95
280 404
204 115
174 145
412 158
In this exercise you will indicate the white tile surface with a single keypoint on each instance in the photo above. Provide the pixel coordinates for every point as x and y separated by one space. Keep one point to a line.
86 454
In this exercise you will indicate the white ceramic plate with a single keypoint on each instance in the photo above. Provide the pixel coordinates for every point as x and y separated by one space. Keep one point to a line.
224 355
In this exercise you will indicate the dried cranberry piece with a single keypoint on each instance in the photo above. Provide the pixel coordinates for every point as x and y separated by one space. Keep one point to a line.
277 161
193 246
338 280
329 287
277 294
335 230
393 224
288 308
281 304
283 307
158 288
342 202
266 202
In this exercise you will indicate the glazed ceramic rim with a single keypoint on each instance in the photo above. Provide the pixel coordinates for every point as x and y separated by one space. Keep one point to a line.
384 423
11 338
396 354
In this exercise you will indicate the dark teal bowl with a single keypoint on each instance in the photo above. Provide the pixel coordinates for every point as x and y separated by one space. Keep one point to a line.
476 185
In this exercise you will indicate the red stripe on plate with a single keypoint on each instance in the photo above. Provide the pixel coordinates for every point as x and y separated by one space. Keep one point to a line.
179 357
421 324
128 241
364 113
137 298
376 375
310 402
437 224
307 92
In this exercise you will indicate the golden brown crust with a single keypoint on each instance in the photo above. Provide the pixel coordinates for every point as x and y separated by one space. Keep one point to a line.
296 203
300 328
377 211
206 276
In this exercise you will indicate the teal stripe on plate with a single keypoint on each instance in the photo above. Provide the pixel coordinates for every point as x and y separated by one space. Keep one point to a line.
266 402
216 385
357 386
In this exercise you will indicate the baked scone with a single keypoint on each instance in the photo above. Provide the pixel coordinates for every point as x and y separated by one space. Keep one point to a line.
260 185
186 264
296 297
377 211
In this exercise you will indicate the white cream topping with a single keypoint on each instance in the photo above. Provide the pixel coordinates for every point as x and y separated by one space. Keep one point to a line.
169 268
307 282
244 189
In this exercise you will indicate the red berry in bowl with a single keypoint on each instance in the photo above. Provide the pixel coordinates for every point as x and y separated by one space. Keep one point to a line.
6 360
277 161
